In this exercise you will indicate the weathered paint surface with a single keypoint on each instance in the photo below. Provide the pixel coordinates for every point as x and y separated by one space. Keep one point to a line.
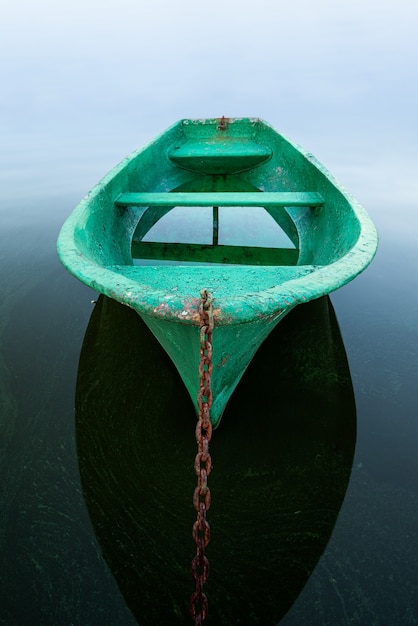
334 240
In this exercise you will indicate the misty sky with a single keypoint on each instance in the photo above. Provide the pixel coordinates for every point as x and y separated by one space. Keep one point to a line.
97 79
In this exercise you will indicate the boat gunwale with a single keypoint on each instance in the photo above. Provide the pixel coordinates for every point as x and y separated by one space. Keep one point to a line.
268 303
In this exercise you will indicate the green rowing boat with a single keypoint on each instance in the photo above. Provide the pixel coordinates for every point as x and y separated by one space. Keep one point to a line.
226 205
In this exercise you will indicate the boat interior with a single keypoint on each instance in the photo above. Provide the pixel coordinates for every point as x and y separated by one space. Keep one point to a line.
221 212
245 228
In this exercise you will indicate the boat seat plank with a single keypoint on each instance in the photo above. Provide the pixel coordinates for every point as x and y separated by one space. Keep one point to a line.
230 198
227 148
216 157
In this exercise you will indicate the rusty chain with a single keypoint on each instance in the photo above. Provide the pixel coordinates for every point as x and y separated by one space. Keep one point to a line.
203 462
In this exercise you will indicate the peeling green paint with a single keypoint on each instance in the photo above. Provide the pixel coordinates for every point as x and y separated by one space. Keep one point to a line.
232 162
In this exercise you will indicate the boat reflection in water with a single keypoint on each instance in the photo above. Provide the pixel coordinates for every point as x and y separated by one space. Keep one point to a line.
281 463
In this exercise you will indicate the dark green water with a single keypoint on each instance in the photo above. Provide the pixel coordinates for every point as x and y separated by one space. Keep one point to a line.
314 487
282 461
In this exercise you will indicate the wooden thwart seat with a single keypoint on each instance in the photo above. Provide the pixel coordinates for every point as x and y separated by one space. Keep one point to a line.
220 156
231 198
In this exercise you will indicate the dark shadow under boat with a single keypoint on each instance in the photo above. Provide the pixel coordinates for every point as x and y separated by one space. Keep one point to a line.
282 460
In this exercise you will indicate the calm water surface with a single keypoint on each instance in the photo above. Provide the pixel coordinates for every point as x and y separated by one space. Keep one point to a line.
314 488
315 481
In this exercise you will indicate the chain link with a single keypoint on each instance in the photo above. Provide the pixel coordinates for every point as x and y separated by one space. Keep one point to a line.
203 462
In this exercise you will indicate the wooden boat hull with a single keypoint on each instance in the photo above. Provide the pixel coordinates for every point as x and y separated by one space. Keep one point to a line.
230 165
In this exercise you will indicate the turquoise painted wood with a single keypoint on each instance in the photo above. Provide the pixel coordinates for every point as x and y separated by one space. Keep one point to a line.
144 237
230 198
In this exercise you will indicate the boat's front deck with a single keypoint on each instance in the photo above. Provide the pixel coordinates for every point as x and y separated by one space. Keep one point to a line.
185 281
